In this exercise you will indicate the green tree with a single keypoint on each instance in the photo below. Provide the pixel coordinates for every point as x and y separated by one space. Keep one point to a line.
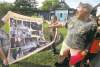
4 8
25 7
33 3
49 4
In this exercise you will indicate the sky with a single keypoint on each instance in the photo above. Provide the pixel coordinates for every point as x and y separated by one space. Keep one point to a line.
74 3
71 3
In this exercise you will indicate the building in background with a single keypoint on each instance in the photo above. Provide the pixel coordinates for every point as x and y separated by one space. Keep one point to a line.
62 11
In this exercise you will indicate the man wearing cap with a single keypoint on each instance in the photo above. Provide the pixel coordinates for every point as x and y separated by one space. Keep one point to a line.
81 30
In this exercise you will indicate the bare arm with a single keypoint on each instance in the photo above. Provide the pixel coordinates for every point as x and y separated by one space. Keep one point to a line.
56 25
3 57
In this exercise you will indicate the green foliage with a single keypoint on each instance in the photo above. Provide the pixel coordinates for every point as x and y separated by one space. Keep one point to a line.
22 4
4 8
25 7
41 59
49 4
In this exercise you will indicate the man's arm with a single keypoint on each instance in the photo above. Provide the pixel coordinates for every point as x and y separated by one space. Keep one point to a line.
3 57
56 26
60 24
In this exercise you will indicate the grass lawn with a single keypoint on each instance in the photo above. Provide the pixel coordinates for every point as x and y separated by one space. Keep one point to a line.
42 59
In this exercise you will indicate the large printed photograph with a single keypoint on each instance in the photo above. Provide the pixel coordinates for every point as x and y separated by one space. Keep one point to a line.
26 37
